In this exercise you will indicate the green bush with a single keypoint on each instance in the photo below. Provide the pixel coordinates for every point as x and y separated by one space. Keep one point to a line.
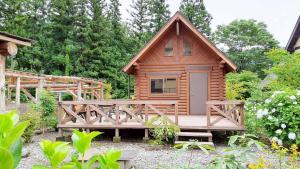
34 123
162 129
47 106
252 125
240 86
285 70
280 116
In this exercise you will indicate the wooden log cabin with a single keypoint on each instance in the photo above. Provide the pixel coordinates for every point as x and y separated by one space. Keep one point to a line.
179 74
181 64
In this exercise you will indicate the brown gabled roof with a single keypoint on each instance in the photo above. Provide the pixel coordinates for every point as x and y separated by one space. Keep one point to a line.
179 16
6 37
294 37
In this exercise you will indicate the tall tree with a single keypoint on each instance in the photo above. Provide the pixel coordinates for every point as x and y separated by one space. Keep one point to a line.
159 14
139 20
196 12
246 41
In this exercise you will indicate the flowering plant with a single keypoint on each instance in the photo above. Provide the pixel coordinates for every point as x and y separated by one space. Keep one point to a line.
280 116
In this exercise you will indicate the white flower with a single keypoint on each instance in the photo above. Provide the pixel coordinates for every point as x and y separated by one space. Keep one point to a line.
268 101
298 92
280 104
292 136
265 112
270 117
283 126
279 142
275 139
273 110
259 115
279 131
294 102
293 97
276 92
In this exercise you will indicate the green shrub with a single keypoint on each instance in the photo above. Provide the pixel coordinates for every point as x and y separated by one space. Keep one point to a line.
162 129
280 116
285 70
240 86
47 106
34 123
252 125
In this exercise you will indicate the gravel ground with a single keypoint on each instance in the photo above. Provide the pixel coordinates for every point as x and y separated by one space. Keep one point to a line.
147 156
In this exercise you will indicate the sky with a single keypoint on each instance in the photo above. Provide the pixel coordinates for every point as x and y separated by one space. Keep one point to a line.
279 15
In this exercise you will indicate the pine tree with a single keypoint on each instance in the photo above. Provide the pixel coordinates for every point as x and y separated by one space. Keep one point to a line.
196 12
139 17
114 14
159 14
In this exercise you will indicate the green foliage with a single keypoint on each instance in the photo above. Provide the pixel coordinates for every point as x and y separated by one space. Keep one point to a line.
10 139
34 119
47 107
109 159
252 125
82 140
241 149
285 69
55 152
246 41
162 129
243 85
280 117
196 12
107 91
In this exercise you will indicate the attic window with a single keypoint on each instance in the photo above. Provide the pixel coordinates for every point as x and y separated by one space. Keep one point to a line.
169 48
187 49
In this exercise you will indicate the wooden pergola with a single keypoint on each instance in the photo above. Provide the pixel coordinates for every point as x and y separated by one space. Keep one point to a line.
8 47
80 88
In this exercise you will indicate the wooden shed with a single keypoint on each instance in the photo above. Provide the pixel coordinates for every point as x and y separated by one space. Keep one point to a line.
180 63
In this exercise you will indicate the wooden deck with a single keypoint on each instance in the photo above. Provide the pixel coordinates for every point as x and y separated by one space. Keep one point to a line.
184 122
129 114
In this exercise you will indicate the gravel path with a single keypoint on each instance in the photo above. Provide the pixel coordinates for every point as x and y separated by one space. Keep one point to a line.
147 156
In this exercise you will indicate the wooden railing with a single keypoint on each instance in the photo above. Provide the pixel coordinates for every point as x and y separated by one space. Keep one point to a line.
231 110
112 113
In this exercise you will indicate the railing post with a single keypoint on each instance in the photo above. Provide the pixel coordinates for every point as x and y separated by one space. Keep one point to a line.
146 113
60 112
208 113
176 113
242 115
117 137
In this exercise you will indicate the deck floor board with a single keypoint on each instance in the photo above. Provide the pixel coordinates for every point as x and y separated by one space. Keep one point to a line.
184 122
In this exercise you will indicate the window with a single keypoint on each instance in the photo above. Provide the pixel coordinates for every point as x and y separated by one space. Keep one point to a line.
164 86
187 49
169 48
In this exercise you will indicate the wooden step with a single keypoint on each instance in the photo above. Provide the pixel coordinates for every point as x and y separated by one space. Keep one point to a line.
194 134
201 143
